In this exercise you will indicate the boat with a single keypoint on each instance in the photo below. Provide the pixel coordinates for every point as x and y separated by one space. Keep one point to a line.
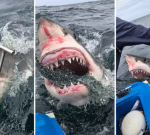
47 125
125 101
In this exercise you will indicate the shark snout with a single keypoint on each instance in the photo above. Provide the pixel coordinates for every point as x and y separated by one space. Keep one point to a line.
49 33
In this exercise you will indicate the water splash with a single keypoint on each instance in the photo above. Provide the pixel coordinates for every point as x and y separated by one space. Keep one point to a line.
18 38
20 77
92 43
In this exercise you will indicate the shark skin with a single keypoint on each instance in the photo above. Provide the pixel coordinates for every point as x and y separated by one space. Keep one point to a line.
139 67
60 50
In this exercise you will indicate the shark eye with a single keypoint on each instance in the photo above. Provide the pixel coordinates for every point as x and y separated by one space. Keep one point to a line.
136 59
64 31
145 60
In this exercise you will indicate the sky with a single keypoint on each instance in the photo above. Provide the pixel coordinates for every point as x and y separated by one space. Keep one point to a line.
130 10
59 2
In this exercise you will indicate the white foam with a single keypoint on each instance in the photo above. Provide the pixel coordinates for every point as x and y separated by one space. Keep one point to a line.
20 44
92 44
19 78
104 132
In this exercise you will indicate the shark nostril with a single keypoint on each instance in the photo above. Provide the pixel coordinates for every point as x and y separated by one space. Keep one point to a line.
64 31
136 59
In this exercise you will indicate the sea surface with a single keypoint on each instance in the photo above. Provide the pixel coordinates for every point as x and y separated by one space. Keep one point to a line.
94 23
141 50
16 101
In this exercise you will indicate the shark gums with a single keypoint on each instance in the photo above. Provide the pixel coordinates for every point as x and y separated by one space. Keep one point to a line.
69 70
139 67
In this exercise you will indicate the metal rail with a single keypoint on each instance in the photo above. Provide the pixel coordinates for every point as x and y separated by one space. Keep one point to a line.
2 55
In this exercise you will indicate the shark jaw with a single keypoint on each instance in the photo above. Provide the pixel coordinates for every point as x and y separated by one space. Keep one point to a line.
60 50
139 67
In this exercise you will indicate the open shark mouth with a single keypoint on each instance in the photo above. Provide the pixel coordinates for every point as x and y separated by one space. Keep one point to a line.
139 67
66 59
70 59
140 73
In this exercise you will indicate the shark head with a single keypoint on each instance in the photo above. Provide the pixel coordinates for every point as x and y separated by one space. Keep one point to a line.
60 50
138 66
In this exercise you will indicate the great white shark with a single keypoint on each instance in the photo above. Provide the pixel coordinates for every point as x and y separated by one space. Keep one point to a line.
60 50
139 67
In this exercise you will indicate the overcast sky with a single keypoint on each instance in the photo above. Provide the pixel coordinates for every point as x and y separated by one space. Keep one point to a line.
59 2
132 9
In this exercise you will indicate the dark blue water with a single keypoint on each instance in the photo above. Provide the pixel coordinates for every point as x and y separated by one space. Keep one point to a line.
16 99
94 23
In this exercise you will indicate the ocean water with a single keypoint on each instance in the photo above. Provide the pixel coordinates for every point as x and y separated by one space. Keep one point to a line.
94 23
141 50
16 99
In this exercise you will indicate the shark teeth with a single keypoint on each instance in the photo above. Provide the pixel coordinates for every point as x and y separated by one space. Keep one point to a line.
66 89
71 84
69 60
58 63
139 71
51 65
83 62
80 60
73 58
62 62
77 58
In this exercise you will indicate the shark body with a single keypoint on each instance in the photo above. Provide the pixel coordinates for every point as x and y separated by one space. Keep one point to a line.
61 50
